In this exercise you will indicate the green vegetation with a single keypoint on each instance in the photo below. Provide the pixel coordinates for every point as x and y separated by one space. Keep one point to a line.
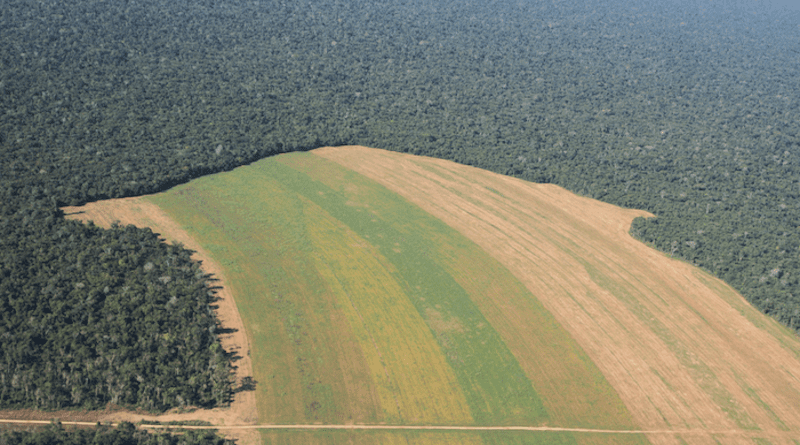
300 215
124 434
496 388
439 437
91 317
360 314
424 438
689 111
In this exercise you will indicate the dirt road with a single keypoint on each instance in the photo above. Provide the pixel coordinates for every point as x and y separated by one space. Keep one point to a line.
787 435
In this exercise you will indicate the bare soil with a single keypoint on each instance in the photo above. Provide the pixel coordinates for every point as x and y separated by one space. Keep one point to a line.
681 348
692 436
242 411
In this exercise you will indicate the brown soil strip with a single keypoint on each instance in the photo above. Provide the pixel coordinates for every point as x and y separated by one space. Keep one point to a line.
684 434
141 213
681 354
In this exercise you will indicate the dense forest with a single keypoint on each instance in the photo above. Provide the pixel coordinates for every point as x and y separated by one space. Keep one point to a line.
124 434
92 317
689 110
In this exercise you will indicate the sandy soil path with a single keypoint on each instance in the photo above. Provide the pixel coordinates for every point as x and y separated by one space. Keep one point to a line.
228 429
141 213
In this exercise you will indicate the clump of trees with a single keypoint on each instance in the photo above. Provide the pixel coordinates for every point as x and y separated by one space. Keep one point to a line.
124 434
690 112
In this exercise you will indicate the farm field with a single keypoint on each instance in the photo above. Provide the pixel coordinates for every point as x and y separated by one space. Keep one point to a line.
681 348
365 319
438 437
382 288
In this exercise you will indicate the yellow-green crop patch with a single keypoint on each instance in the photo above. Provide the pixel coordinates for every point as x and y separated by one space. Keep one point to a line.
430 438
359 311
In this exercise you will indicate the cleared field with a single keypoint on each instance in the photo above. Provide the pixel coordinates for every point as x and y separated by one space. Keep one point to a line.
355 314
681 348
463 295
362 308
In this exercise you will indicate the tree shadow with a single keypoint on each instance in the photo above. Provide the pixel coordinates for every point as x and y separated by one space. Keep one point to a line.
232 357
247 384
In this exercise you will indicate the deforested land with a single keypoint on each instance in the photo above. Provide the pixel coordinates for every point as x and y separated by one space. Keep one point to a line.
385 288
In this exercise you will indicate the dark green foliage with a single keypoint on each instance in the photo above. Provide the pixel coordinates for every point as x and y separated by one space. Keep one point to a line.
688 111
91 317
124 434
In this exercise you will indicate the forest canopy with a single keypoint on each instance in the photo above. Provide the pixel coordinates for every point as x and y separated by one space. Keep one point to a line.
123 434
687 110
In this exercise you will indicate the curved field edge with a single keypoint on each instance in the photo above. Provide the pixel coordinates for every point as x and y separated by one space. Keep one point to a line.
286 206
680 347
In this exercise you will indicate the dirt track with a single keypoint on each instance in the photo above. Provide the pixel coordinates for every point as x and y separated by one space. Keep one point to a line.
231 430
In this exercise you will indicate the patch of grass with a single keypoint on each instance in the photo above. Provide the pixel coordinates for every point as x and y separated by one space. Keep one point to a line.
413 438
449 437
295 283
415 382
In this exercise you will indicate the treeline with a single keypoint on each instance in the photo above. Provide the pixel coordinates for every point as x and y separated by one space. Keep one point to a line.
124 434
688 111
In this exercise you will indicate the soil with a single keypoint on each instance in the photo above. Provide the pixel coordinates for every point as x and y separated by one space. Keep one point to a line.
657 436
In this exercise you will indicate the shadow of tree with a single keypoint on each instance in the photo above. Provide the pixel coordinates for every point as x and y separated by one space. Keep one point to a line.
248 384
